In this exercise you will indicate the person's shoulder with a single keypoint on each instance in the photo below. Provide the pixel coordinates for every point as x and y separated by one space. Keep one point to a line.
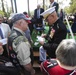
13 34
35 9
20 39
42 8
5 25
61 24
55 3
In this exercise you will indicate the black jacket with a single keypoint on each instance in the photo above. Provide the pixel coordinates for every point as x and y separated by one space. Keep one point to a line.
7 68
38 20
57 6
35 12
59 35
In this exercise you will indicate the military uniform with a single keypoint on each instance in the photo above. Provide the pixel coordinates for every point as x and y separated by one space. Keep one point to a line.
60 33
57 32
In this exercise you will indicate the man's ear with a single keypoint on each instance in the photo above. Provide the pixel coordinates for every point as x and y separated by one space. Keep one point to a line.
19 23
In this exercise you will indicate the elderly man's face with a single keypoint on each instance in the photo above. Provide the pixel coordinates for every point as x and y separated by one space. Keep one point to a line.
50 19
24 25
38 6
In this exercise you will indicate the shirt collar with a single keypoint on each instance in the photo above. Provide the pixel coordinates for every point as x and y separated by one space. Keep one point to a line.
19 30
66 67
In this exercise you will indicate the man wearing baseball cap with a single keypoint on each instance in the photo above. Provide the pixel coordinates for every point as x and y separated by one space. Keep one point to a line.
18 45
57 32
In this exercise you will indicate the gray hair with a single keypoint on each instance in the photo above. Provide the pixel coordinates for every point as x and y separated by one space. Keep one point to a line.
16 23
66 52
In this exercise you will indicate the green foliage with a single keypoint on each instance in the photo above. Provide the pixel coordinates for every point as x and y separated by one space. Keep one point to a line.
4 9
66 9
1 12
72 7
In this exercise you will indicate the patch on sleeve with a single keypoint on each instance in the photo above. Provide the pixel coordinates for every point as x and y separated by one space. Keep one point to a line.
51 63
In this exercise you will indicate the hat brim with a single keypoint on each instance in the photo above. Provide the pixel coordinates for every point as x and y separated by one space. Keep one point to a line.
47 12
45 16
28 20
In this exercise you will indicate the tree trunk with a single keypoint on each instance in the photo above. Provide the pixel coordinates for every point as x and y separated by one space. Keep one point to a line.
28 7
3 9
12 6
15 6
44 4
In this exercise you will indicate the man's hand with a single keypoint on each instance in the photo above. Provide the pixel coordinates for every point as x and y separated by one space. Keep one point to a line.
41 42
0 44
29 68
43 35
33 72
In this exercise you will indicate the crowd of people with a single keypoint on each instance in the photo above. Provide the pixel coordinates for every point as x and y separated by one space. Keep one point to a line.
16 55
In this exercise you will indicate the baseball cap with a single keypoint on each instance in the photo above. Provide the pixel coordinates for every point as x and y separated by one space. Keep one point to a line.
48 12
28 20
11 15
19 16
